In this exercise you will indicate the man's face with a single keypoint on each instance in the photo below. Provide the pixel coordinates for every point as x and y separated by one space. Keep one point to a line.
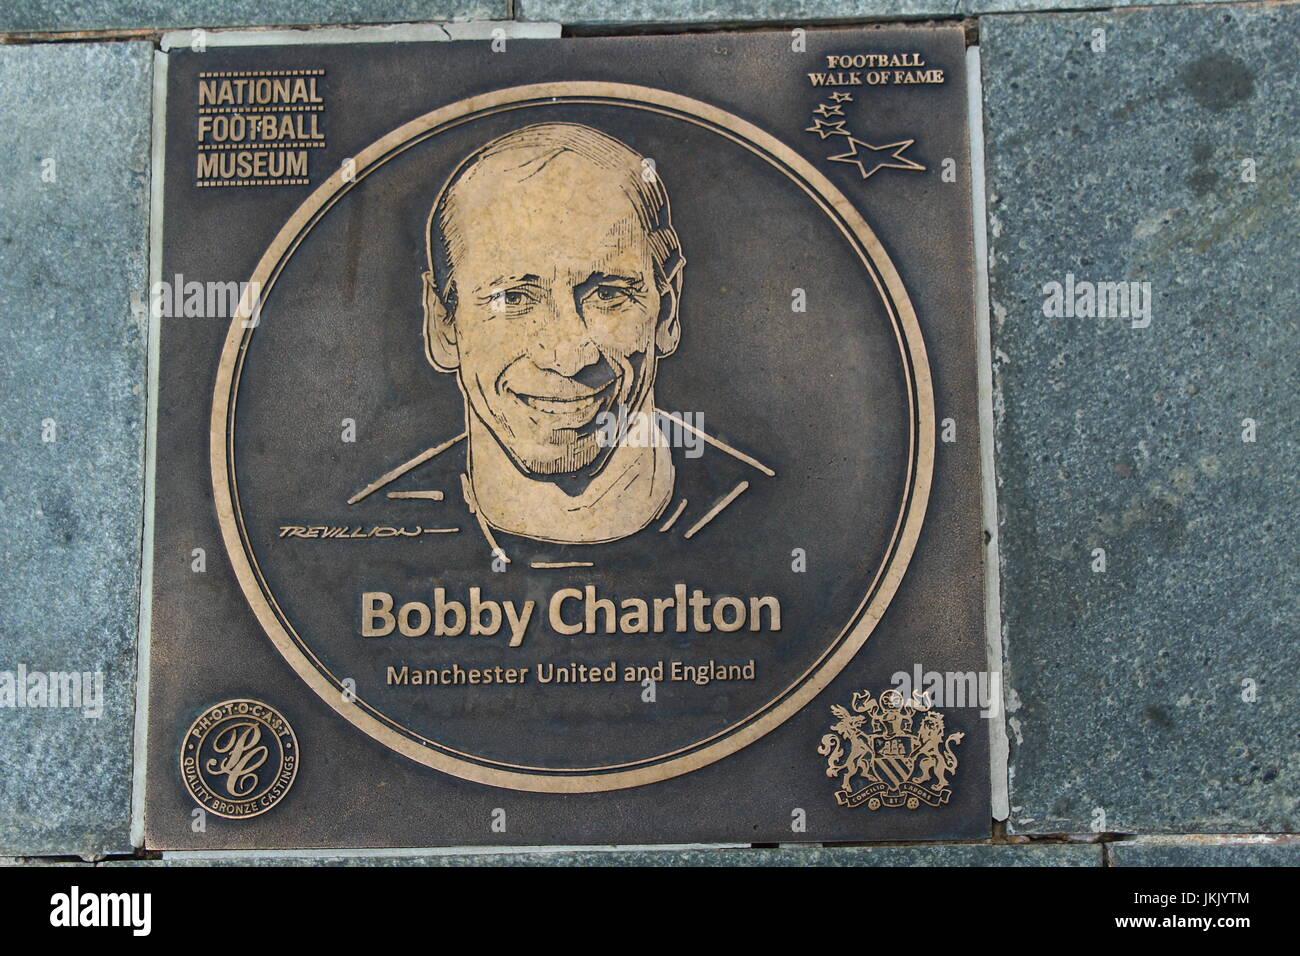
557 308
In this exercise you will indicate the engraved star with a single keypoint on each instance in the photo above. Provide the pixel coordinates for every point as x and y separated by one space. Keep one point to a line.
824 129
827 110
842 97
852 156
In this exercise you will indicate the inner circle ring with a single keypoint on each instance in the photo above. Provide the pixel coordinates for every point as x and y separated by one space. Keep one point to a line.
814 679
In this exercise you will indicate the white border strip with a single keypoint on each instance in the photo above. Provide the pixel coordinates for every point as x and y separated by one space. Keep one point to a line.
998 744
144 632
386 33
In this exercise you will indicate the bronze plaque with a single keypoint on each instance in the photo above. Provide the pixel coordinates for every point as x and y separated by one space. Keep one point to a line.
567 441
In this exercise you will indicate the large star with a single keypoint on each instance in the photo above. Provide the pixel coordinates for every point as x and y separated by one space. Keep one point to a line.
826 109
824 129
853 156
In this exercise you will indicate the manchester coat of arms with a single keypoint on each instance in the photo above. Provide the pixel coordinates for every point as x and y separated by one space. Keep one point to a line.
896 766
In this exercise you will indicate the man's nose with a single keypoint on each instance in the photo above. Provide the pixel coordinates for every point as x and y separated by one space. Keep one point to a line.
564 342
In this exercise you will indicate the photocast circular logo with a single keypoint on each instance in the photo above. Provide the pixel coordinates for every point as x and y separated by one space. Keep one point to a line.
239 758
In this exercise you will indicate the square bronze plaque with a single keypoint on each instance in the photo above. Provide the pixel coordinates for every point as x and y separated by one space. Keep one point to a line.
567 441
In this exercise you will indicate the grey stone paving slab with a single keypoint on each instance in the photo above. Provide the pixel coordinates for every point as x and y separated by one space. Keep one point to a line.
725 11
980 7
74 176
1144 853
10 862
783 11
933 855
1161 693
372 33
83 15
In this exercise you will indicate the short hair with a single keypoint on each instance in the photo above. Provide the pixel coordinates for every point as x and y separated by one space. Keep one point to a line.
537 145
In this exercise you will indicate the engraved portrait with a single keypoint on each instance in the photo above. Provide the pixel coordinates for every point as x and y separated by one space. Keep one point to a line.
553 295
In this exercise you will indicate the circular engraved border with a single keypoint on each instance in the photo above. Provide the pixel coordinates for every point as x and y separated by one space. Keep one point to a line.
814 679
198 748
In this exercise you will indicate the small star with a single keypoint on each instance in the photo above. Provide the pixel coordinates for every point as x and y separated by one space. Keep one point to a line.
824 129
826 110
853 156
842 97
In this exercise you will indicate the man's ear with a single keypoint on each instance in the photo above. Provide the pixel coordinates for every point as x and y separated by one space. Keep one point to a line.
668 332
439 331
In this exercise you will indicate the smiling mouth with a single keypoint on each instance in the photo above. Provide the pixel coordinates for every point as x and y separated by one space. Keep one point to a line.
567 404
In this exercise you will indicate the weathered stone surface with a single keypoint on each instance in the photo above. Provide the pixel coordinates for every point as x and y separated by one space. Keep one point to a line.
780 11
723 11
933 855
74 158
1158 695
980 7
1161 853
84 15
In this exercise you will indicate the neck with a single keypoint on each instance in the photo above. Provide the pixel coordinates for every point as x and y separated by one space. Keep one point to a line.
629 492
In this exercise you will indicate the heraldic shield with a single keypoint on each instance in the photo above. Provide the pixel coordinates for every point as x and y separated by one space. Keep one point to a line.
896 749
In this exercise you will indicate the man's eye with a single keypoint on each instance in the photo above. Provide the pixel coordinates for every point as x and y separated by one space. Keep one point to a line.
610 293
508 298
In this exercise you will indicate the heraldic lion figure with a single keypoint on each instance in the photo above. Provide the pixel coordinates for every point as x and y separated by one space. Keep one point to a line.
930 759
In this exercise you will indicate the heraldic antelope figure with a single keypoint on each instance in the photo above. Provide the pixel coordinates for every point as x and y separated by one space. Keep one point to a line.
859 759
